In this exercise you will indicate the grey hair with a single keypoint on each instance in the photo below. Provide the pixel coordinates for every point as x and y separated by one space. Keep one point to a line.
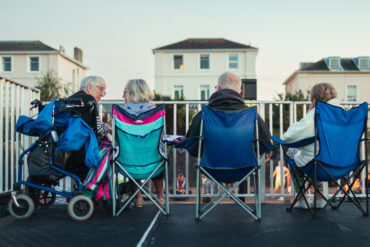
93 80
139 91
230 81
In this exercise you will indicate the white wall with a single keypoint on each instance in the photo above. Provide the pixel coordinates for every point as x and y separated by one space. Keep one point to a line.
339 80
62 67
192 77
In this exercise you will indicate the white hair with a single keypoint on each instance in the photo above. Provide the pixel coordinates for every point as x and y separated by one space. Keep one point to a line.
230 81
93 80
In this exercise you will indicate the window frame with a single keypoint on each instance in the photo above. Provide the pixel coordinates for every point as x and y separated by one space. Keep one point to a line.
2 64
174 89
200 62
29 63
346 91
208 92
237 62
173 62
361 59
331 61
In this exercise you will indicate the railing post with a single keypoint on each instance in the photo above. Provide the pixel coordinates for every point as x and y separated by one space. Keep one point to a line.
262 192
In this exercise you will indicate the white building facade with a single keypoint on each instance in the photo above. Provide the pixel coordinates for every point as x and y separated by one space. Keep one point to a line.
349 76
189 69
26 61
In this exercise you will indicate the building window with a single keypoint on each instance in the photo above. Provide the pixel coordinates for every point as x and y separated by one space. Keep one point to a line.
34 64
233 61
178 92
351 93
204 92
363 63
334 63
204 61
7 64
178 63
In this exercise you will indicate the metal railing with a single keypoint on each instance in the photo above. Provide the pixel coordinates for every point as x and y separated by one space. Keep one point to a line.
278 115
15 101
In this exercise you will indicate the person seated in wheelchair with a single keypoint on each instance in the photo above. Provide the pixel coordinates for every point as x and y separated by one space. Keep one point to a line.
59 131
91 91
303 129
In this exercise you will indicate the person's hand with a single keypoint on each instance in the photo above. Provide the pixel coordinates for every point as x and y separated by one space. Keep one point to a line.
108 127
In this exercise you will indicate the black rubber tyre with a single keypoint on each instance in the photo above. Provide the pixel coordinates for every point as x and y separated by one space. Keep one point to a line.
80 208
26 208
47 199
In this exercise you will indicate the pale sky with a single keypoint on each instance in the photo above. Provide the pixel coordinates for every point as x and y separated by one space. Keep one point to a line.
117 36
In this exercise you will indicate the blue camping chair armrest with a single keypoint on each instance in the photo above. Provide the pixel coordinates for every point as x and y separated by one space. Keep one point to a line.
297 144
188 142
267 146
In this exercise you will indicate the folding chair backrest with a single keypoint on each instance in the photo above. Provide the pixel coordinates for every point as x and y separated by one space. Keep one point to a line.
139 138
229 138
339 132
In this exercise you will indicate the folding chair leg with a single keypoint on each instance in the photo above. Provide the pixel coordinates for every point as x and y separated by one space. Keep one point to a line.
197 203
167 202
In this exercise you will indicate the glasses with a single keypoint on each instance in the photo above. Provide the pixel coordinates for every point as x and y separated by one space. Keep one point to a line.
102 90
124 92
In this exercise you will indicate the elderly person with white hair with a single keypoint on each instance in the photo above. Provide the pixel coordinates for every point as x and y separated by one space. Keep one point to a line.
91 91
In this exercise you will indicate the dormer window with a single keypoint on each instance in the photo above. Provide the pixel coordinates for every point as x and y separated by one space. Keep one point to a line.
363 63
334 63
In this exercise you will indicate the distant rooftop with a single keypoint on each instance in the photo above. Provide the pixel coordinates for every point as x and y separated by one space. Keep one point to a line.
346 64
199 44
32 45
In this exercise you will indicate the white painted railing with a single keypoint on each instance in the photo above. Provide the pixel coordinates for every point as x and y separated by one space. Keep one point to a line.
272 112
15 101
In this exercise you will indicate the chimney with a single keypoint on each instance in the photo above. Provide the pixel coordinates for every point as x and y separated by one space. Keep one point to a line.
77 54
62 49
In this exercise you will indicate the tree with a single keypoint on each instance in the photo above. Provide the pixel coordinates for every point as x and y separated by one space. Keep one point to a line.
50 87
181 114
298 96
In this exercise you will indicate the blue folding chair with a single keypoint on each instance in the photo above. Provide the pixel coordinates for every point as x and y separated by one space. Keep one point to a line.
230 140
140 153
337 139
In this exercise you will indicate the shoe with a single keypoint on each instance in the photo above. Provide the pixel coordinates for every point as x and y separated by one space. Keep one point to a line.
300 205
139 202
320 203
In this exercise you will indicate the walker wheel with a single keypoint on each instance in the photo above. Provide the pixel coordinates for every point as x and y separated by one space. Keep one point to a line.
47 199
80 208
25 209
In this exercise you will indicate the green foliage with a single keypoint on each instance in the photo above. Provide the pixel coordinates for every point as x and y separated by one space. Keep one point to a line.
50 87
180 115
299 96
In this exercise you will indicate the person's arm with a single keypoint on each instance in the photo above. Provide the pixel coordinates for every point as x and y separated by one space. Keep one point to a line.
264 134
193 131
300 130
101 127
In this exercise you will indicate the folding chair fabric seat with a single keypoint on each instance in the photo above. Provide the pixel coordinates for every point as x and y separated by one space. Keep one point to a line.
336 172
142 154
337 138
228 175
229 155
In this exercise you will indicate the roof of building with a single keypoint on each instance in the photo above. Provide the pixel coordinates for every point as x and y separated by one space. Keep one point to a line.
31 45
347 64
199 44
